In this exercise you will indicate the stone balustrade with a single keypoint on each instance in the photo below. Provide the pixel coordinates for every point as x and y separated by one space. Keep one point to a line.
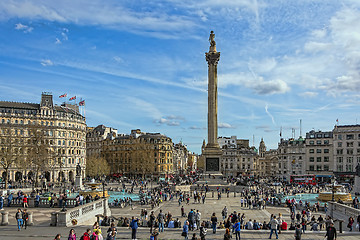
342 211
84 214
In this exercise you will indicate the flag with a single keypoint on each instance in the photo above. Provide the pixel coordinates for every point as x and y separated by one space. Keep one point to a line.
82 103
62 96
337 120
73 98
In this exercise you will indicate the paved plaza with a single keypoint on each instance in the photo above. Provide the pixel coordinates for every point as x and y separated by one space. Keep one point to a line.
42 230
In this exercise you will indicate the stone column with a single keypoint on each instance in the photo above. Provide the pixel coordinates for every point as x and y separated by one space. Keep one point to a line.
212 57
4 218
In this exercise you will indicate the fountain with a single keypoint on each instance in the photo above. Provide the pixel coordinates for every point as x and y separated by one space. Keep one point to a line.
94 190
337 193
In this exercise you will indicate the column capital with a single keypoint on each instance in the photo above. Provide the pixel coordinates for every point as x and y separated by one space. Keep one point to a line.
212 57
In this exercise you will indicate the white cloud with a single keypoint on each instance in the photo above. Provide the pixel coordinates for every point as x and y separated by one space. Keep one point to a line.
24 28
225 125
269 114
112 14
118 59
46 62
308 94
170 120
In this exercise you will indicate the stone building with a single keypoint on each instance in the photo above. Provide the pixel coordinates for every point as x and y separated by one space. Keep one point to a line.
180 158
95 137
346 149
238 158
291 155
63 139
139 154
319 158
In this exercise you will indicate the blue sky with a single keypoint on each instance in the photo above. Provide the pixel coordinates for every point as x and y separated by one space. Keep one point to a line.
141 64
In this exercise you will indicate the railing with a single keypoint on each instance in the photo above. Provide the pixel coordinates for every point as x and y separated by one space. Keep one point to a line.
84 214
342 211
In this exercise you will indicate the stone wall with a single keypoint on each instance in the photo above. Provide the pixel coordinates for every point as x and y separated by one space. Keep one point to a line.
84 214
342 212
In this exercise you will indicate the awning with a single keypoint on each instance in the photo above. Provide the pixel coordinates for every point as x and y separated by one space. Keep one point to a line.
326 176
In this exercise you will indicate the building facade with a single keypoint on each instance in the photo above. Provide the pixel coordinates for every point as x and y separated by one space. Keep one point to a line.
139 154
291 155
180 158
346 150
58 132
95 137
238 158
319 159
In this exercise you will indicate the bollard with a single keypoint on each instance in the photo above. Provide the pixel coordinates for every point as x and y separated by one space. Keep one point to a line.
227 194
4 218
212 194
340 226
30 219
234 193
53 221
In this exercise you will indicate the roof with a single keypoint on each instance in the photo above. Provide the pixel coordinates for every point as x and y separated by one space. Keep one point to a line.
32 106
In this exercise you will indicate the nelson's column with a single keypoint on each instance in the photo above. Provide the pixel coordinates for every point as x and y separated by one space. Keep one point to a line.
212 152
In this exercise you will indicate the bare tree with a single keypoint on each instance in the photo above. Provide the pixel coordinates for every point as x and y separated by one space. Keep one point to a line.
10 155
96 166
39 148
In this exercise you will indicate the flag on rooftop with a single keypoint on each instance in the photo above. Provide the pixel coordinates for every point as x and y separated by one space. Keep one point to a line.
82 103
72 98
62 96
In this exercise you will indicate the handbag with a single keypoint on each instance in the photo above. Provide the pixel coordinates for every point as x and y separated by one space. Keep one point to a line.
184 234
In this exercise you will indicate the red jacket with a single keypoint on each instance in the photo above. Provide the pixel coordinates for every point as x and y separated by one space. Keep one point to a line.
86 236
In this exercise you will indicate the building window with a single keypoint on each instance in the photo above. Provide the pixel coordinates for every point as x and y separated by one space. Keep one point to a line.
318 142
318 159
349 151
350 144
311 167
339 151
339 159
339 168
340 137
318 150
326 150
311 159
349 159
326 167
326 159
311 150
311 142
318 168
349 136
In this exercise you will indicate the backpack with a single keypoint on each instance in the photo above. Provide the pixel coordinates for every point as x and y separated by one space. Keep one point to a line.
92 237
82 237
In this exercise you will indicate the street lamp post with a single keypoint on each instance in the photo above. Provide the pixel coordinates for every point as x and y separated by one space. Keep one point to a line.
103 184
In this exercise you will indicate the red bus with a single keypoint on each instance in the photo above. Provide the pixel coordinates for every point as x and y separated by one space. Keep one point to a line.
303 179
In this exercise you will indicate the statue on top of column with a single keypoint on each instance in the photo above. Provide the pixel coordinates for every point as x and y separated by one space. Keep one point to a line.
78 170
212 39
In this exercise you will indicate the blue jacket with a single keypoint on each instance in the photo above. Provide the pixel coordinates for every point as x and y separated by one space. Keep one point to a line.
186 228
237 227
134 224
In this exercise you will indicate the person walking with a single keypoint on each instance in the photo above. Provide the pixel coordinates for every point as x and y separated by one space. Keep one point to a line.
331 232
57 237
134 227
25 216
9 199
297 232
237 228
273 225
185 232
152 221
197 219
203 231
227 235
350 223
19 218
1 202
161 218
72 235
213 222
